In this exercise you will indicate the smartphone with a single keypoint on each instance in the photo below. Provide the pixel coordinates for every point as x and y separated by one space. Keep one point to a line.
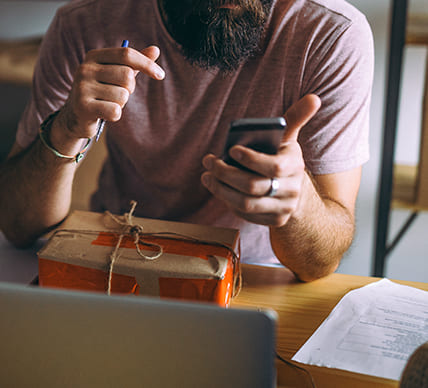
260 134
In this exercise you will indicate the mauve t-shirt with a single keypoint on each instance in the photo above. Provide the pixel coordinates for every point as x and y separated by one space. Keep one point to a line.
155 151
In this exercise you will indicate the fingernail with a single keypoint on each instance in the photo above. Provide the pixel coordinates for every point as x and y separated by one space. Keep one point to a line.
206 180
236 154
207 163
160 74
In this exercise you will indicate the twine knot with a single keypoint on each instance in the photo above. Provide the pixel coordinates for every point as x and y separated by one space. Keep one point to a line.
135 230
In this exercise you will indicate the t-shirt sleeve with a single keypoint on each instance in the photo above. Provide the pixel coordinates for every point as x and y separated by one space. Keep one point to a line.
340 72
52 80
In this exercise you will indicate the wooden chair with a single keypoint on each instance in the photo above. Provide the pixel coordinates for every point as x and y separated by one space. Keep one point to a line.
17 60
86 178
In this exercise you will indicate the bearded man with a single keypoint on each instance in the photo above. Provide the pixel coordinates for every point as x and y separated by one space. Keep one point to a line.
192 67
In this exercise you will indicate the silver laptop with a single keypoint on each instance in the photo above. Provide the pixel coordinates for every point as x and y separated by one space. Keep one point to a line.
54 338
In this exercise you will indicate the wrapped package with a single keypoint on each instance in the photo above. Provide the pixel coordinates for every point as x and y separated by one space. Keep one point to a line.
130 255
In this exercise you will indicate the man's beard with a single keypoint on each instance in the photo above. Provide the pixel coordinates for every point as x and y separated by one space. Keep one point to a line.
213 37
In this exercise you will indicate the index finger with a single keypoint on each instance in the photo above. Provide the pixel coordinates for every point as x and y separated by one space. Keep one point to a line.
140 61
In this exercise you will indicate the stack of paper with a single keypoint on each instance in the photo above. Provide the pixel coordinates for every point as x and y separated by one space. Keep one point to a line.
373 330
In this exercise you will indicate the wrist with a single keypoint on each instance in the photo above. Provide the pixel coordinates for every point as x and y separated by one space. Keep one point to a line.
308 197
56 138
61 136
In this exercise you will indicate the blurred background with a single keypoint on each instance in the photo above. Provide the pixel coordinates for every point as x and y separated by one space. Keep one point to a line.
23 23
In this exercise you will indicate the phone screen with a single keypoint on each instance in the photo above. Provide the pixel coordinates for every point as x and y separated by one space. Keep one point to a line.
260 134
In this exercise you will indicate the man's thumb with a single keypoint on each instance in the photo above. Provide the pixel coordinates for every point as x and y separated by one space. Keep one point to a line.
151 52
299 114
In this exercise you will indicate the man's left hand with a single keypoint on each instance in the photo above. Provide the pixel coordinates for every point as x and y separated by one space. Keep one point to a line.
246 192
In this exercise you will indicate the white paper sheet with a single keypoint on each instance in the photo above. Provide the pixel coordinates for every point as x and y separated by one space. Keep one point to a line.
373 330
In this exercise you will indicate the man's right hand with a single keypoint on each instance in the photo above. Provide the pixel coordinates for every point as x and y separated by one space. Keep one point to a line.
101 88
36 185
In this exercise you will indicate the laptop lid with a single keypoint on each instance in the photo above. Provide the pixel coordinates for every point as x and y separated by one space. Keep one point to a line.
57 338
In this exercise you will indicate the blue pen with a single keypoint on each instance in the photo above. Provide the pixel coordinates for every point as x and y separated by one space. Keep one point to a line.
101 122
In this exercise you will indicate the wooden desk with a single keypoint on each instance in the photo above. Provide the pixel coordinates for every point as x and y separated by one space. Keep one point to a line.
301 308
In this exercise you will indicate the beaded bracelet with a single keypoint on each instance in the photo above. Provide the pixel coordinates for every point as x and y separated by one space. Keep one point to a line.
44 130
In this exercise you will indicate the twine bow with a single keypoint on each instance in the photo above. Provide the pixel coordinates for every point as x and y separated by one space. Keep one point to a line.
135 230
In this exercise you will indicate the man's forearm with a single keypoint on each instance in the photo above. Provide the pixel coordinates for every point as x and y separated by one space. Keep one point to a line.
316 236
35 193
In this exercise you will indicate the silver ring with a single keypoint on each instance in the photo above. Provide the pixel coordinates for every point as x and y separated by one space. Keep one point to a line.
273 189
